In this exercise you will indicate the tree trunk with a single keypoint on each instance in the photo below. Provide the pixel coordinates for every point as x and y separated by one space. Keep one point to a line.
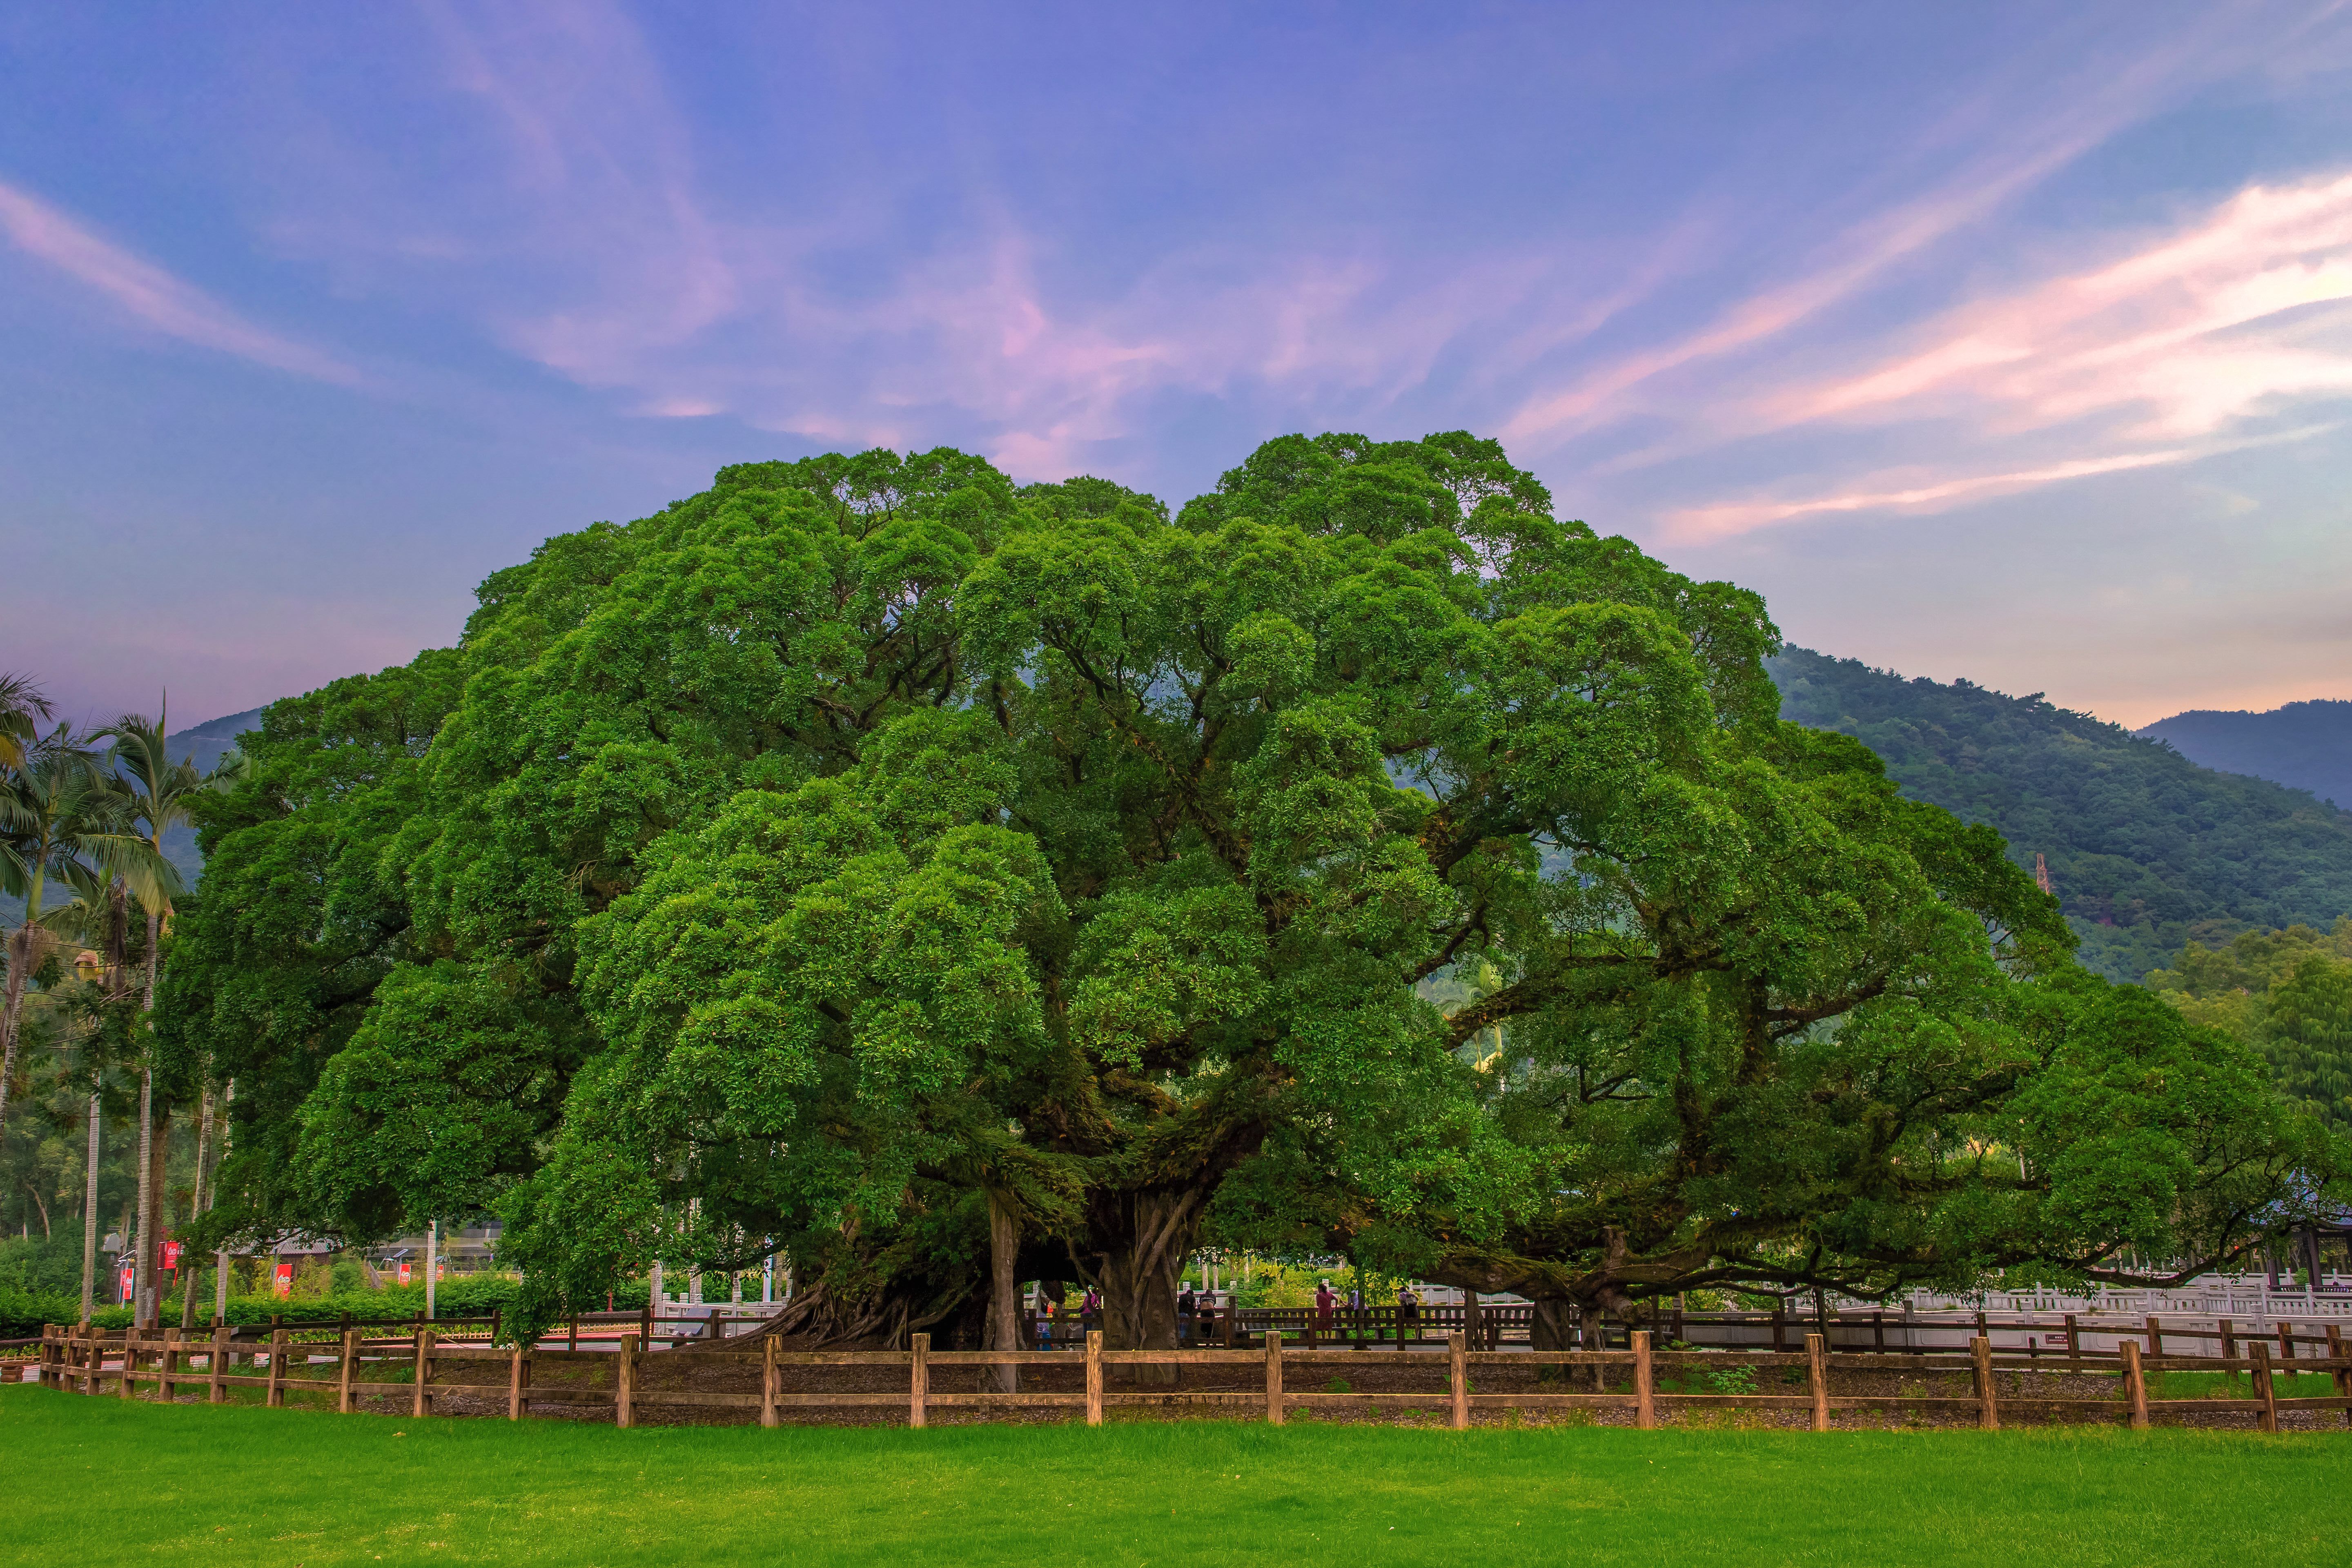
1004 1292
150 1255
142 1274
90 1208
1554 1328
1141 1270
28 946
1592 1327
161 1205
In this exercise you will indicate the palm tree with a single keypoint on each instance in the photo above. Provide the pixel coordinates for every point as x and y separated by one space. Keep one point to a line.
21 703
157 794
60 821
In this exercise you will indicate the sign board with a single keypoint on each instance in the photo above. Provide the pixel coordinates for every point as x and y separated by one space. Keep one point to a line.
170 1254
283 1286
404 1271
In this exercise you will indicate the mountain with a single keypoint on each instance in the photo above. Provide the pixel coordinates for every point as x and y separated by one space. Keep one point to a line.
2146 849
2304 745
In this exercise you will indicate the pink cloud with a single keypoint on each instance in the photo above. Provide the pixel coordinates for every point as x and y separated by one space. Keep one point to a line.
1918 491
2186 333
152 296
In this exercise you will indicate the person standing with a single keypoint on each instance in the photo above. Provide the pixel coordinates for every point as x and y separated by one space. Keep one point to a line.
1090 1310
1187 1304
1325 1300
1408 1315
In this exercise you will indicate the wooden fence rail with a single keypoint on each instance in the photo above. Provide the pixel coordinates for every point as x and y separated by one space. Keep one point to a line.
72 1358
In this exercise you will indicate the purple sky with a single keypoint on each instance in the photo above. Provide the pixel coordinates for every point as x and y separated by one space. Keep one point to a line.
2005 341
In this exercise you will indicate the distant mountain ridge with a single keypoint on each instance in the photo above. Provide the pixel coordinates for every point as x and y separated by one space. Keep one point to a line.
2304 745
2145 847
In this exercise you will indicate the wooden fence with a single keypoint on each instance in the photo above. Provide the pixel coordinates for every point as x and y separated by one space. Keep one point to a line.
405 1370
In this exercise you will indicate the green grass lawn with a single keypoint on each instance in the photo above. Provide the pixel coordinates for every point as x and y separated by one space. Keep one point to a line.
191 1484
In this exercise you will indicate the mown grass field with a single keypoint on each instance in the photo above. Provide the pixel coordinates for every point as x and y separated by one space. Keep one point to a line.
143 1483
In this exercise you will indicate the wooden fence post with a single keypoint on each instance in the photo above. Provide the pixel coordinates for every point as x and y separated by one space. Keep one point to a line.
2154 1337
1817 1372
2074 1339
919 1378
1093 1377
1273 1375
2134 1385
2229 1340
129 1358
1645 1389
1780 1323
2343 1375
1457 1366
422 1404
217 1368
171 1364
625 1383
518 1379
1987 1405
2262 1390
276 1368
2287 1342
771 1378
346 1369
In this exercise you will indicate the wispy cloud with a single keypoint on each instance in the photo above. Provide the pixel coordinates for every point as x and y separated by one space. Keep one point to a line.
2035 141
152 296
619 259
2194 330
2188 343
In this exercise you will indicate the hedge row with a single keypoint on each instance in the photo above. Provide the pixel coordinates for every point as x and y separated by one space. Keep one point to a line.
21 1313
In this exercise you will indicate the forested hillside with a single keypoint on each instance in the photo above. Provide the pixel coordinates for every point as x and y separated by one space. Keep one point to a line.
2304 745
2146 849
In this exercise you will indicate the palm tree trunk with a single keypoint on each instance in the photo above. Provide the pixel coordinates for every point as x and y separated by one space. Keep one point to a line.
90 1207
196 1206
212 1197
143 1263
24 955
139 1274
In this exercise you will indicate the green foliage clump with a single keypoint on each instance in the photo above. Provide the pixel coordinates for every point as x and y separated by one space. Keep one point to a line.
2145 849
2288 994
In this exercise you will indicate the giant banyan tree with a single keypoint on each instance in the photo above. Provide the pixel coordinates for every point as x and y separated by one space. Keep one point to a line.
938 884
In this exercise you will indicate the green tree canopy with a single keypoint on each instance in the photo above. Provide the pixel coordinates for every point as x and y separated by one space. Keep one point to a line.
2288 994
869 860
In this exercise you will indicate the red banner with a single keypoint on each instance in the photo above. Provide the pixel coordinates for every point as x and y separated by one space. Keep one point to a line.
404 1273
126 1286
283 1286
170 1254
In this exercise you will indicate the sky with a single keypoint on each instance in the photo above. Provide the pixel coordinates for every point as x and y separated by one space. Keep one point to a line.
2004 342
